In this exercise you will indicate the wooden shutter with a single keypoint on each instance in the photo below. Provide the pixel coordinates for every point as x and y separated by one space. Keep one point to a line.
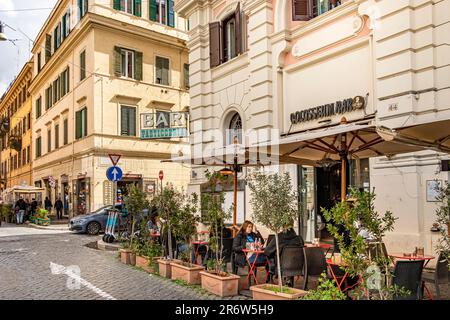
57 136
66 131
152 6
67 79
132 121
124 129
85 123
138 65
117 5
214 44
82 65
48 47
238 29
158 72
165 71
117 61
170 14
301 10
137 8
186 75
78 126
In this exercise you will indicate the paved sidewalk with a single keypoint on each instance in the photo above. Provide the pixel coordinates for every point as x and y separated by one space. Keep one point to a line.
8 229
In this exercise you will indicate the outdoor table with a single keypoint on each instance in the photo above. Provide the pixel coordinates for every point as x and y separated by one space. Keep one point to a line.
338 264
325 246
252 265
198 244
401 256
426 258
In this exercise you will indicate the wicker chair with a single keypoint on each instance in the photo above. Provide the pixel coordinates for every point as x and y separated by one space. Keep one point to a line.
441 275
408 275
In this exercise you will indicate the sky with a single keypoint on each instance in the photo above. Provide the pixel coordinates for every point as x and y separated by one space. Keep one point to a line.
14 55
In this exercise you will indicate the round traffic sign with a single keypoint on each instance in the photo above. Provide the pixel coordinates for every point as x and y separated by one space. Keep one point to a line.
114 174
161 175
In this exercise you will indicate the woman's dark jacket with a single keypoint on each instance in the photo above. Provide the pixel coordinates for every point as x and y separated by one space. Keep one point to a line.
239 243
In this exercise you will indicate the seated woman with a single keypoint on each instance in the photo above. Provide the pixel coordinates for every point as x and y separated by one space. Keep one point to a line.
246 236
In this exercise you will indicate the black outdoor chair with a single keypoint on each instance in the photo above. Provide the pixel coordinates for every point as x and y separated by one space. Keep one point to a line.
440 276
270 238
315 263
292 262
408 275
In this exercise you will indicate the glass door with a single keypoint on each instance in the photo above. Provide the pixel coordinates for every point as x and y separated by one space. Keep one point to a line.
307 200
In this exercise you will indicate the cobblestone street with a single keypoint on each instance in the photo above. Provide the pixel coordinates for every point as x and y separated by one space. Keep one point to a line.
26 273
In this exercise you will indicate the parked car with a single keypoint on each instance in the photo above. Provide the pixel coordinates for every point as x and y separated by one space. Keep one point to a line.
94 222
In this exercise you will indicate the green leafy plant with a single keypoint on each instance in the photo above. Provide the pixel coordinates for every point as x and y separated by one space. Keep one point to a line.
213 214
326 290
350 217
274 205
443 222
6 212
135 203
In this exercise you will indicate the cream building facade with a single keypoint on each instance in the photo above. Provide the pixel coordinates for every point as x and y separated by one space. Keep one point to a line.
374 75
102 71
15 145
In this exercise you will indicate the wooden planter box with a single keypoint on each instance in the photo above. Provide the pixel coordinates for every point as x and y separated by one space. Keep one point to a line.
260 293
165 269
221 286
189 274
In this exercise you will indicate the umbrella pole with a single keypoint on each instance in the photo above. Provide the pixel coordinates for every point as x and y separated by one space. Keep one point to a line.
343 179
235 197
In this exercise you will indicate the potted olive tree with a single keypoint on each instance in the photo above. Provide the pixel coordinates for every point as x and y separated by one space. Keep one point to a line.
216 280
353 217
274 204
135 203
184 227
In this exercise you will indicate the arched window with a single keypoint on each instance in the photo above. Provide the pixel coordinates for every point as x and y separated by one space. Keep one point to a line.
235 129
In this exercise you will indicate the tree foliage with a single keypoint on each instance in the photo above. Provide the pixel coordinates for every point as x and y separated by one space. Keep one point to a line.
443 221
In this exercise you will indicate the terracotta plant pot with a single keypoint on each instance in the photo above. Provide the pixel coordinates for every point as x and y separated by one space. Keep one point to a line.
260 292
190 274
125 255
165 269
220 286
145 263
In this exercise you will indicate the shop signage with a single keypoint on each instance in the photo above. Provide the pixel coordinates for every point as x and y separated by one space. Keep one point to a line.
328 110
164 124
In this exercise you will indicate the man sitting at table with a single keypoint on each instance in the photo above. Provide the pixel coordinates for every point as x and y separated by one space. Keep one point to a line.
285 238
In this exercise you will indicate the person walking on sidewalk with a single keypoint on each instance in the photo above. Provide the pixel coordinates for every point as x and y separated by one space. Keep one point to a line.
48 205
21 207
58 208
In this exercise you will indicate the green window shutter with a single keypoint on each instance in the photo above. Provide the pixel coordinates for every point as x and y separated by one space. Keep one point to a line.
132 121
186 75
138 61
78 125
66 131
55 39
137 8
170 14
84 122
165 72
117 62
158 75
117 5
82 65
68 79
152 5
124 131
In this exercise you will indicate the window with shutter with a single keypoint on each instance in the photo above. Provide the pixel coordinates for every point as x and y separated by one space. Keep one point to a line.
39 66
117 5
138 66
214 44
137 8
28 154
127 63
48 47
162 71
38 107
82 65
128 121
79 124
56 136
301 10
117 61
66 131
38 147
49 140
170 14
83 8
238 26
186 75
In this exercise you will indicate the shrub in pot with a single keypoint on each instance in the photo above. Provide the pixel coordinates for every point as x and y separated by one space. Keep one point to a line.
215 279
274 205
147 256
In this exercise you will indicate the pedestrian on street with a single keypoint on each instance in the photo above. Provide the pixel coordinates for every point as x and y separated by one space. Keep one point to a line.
20 207
48 205
58 207
34 206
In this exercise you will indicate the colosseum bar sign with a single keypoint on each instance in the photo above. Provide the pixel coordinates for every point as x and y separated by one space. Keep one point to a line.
328 110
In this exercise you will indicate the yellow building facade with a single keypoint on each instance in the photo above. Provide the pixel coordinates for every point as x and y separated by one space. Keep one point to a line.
109 79
15 131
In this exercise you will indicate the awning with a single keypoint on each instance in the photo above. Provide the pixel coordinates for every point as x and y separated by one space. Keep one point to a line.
358 140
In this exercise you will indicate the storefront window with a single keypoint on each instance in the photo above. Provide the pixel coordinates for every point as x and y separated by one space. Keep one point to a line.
82 196
235 129
360 174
